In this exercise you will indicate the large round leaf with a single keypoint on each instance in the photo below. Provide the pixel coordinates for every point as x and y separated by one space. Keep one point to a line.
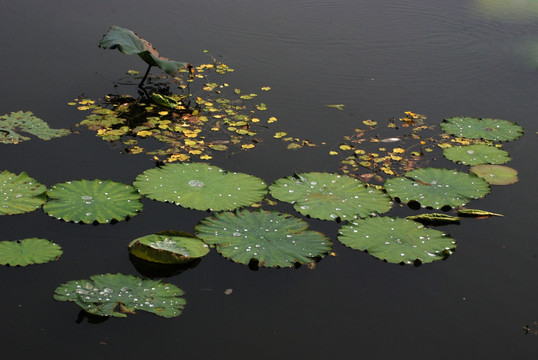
20 193
28 251
118 295
397 240
91 201
476 154
330 196
168 248
496 174
437 188
273 239
200 186
477 128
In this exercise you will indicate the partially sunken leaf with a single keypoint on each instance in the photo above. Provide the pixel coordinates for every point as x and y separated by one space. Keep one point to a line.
476 213
20 193
437 188
129 43
270 238
118 295
476 154
435 219
28 251
397 240
496 174
330 196
168 249
91 201
13 123
200 186
487 128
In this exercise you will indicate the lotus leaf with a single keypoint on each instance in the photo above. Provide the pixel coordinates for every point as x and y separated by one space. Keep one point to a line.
200 186
271 238
91 201
12 123
487 128
129 43
397 240
168 248
476 154
20 193
28 251
437 188
496 174
476 213
434 219
330 196
118 295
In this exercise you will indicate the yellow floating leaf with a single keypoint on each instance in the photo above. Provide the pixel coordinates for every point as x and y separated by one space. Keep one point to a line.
369 122
266 88
272 119
179 157
382 149
280 134
83 107
189 142
247 146
195 152
293 146
333 152
345 147
428 149
396 157
144 133
162 113
136 150
206 157
255 120
398 150
360 152
444 145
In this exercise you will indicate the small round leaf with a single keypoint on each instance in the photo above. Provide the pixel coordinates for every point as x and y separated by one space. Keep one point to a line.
168 249
478 128
496 174
476 154
20 193
28 251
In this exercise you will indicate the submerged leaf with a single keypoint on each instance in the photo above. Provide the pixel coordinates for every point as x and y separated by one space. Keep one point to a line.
200 186
496 174
476 154
117 295
168 248
14 122
437 188
330 196
20 193
486 128
28 251
271 238
397 240
89 201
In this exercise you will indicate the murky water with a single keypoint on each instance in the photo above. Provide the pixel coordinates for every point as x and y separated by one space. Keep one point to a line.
379 58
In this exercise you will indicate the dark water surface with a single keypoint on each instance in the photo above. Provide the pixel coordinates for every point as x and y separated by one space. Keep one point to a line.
379 58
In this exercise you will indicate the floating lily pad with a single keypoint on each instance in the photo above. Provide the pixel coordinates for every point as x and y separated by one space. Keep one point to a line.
330 196
28 251
20 193
476 213
487 128
200 186
118 295
168 248
437 188
476 154
434 219
25 121
397 240
91 201
496 174
271 238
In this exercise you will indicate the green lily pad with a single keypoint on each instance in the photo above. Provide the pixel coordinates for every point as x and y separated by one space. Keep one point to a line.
271 238
437 188
487 128
434 219
168 248
129 43
476 154
118 295
28 251
200 186
13 123
330 196
89 201
397 240
20 193
496 174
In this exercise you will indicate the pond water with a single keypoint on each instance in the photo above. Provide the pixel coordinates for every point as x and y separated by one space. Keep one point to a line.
379 58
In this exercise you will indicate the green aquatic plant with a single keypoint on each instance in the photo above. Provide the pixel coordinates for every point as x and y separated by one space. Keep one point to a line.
330 196
129 43
434 219
168 248
482 128
476 154
397 240
90 201
437 188
477 213
496 174
200 186
28 251
117 295
269 238
25 121
20 193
